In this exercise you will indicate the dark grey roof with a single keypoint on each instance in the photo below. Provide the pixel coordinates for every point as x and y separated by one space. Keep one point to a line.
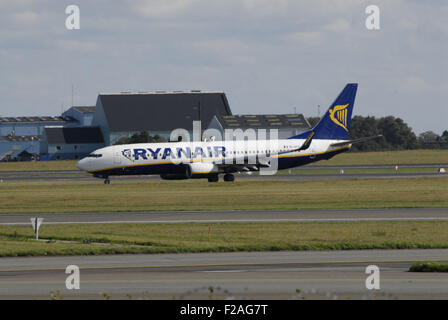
35 119
71 135
162 111
84 109
264 121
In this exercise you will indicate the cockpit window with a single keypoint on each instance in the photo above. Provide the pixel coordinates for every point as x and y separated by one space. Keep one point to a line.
95 155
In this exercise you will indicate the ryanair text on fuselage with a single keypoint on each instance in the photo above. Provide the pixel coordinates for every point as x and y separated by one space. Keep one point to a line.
175 153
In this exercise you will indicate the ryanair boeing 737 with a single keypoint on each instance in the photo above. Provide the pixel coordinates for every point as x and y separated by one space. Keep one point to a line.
209 159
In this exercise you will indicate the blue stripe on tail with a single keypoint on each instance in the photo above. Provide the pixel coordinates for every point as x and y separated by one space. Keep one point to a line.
335 123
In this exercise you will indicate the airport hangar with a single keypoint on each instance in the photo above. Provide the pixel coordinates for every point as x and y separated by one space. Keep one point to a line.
83 129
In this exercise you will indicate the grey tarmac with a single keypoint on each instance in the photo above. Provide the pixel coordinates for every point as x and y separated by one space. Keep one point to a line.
348 215
244 275
20 176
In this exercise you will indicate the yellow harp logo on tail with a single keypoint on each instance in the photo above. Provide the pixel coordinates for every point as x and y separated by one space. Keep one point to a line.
339 115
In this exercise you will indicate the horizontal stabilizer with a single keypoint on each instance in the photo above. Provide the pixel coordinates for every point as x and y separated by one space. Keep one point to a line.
341 144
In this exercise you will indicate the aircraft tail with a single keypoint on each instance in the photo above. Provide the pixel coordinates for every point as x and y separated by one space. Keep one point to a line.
335 123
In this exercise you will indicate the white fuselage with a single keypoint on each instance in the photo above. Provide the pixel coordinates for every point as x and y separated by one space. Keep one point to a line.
205 156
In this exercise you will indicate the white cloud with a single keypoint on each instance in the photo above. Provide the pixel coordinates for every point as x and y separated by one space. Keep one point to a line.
304 38
77 46
340 25
265 7
162 8
25 17
414 85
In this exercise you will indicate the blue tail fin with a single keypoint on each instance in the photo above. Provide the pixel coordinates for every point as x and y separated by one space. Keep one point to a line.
335 123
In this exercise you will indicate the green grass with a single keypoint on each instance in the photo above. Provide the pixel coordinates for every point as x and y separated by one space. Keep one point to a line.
349 158
429 267
223 237
39 165
245 194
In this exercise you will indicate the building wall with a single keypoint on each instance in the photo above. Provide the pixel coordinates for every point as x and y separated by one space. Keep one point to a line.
28 128
99 120
69 151
282 133
84 119
17 147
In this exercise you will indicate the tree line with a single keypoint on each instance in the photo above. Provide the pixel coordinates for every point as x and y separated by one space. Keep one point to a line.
396 134
140 137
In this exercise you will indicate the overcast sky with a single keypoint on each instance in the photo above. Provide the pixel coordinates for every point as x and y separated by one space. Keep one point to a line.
268 56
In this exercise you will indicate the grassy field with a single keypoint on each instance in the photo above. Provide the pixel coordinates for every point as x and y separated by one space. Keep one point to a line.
39 165
159 195
221 237
429 267
349 158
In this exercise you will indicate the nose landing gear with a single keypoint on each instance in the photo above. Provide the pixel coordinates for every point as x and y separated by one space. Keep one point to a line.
106 178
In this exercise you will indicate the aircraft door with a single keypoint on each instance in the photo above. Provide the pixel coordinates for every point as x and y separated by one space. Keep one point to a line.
117 157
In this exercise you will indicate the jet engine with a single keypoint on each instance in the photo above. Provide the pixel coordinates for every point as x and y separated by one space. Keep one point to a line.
192 170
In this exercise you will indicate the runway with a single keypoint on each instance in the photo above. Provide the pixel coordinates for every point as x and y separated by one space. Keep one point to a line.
306 167
76 175
397 214
260 275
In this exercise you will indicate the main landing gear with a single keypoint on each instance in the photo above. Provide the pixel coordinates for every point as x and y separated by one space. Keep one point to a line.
213 178
106 181
229 177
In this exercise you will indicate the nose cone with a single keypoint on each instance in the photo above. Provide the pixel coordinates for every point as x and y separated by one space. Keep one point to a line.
82 164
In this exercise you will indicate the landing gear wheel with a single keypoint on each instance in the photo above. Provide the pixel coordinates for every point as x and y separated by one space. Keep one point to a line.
213 179
107 181
229 177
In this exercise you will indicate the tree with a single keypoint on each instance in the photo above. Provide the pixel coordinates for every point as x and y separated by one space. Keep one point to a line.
429 140
140 137
398 134
361 127
445 135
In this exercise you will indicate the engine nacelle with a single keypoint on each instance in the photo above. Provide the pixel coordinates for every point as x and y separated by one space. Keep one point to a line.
200 168
192 170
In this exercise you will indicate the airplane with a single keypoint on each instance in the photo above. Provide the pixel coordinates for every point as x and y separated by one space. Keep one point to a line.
209 159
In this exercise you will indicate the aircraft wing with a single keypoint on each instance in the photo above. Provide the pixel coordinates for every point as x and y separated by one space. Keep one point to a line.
241 164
